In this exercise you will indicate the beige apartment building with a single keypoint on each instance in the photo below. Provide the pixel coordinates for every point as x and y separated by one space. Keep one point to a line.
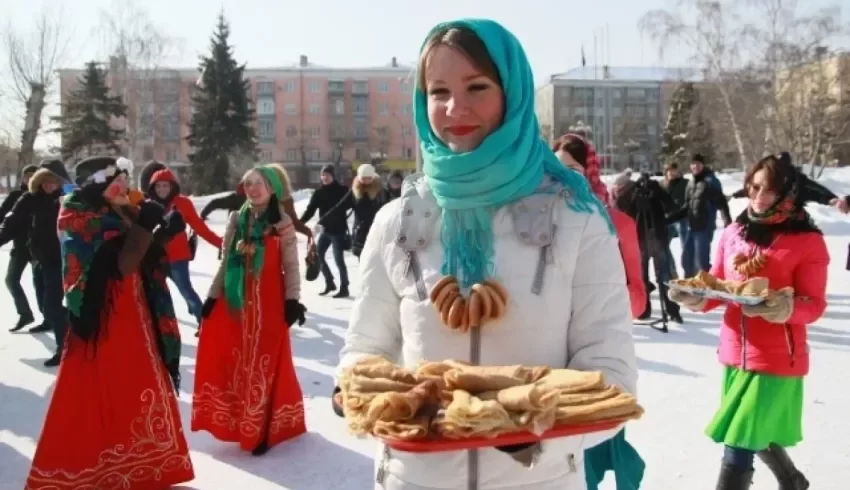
307 115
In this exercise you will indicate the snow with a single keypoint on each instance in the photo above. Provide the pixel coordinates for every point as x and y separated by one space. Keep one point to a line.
679 387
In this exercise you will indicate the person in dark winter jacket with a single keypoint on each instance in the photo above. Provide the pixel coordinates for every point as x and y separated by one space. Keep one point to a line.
703 199
19 257
229 202
36 214
394 185
368 196
332 200
809 191
676 186
647 203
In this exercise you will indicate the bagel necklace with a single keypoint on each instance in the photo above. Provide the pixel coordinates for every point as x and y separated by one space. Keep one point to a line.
486 302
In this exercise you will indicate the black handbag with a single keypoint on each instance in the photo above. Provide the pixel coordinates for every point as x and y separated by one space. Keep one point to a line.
193 244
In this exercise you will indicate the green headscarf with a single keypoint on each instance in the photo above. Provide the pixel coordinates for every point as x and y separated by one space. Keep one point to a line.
234 272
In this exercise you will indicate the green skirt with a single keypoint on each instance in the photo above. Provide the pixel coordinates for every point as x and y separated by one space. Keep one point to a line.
758 409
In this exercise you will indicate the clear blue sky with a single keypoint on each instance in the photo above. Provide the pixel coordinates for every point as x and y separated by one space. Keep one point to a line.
369 32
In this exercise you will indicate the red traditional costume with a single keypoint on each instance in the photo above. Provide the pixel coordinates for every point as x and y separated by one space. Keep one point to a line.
113 421
246 388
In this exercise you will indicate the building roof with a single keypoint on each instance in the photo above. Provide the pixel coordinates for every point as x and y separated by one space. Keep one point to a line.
631 74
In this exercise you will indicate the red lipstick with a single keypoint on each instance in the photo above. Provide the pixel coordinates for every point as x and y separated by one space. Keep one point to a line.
461 130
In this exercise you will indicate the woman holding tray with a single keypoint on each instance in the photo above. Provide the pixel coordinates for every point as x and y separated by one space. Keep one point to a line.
494 207
763 347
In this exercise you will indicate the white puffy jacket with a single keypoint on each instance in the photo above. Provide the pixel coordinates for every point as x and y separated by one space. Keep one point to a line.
570 308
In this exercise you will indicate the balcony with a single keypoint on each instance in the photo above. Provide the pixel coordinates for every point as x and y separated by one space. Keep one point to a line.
336 87
360 89
265 89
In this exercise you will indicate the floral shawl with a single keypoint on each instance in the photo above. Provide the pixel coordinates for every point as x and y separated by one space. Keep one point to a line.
92 236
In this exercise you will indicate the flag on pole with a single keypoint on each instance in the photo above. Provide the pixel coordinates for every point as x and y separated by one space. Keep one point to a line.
583 60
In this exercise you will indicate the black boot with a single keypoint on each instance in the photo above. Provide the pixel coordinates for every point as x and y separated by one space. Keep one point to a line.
23 321
788 476
329 288
734 478
261 449
53 361
43 327
343 292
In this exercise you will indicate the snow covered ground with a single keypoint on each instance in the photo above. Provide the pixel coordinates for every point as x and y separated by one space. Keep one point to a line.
679 387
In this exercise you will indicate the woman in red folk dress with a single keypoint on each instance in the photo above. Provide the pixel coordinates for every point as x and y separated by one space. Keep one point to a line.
246 389
113 421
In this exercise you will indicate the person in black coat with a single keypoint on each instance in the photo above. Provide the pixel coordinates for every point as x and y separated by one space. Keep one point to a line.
369 196
36 214
394 185
19 257
332 200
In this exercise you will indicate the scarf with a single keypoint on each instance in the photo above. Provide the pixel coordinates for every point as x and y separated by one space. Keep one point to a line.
508 165
249 235
92 235
786 215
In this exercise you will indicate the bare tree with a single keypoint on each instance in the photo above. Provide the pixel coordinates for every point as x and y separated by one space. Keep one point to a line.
138 50
753 65
33 56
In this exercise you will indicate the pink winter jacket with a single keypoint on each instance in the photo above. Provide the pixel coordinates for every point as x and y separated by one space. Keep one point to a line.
630 250
798 260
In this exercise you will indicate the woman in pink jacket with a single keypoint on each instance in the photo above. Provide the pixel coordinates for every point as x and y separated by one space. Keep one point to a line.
763 348
579 155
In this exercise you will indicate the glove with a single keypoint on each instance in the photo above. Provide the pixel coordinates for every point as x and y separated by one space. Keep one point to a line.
525 454
294 312
335 401
174 224
689 301
208 306
150 215
777 307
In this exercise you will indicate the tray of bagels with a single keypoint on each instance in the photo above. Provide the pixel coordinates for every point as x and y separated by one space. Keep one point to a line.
753 291
452 405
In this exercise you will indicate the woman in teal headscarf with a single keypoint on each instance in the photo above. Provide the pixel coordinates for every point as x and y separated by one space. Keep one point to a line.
494 207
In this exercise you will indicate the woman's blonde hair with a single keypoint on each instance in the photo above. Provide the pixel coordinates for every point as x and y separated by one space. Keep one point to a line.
284 179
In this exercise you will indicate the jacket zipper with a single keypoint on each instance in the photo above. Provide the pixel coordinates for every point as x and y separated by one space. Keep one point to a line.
540 271
743 343
475 359
412 266
789 341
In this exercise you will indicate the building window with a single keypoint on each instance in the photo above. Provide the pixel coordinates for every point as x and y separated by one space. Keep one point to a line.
291 131
265 88
384 109
314 155
315 87
360 87
360 106
315 109
314 133
406 131
265 107
408 153
616 112
339 107
171 128
637 93
406 87
651 112
358 153
361 130
651 129
291 109
266 130
266 156
383 86
407 109
291 155
290 86
171 155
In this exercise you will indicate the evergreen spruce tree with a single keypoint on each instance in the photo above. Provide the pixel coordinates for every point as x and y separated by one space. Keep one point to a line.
85 122
222 123
676 137
702 138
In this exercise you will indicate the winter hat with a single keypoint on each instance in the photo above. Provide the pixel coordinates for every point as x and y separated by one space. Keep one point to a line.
96 170
57 168
698 158
366 171
330 170
29 169
164 175
147 172
623 178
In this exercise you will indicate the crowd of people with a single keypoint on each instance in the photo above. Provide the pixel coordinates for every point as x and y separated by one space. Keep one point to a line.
494 203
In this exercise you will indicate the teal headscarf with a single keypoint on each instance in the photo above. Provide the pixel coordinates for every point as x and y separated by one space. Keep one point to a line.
509 164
